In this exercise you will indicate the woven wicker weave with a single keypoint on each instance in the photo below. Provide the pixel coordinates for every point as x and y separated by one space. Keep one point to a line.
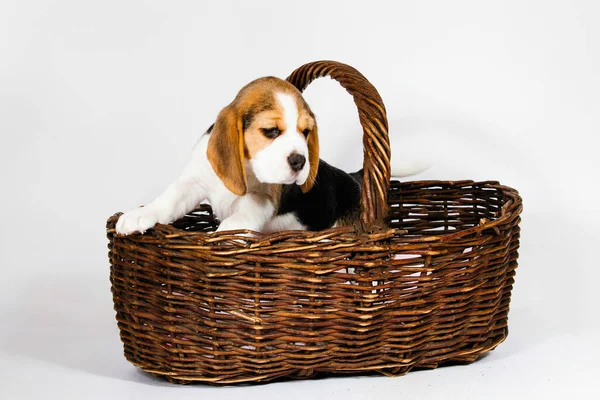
425 280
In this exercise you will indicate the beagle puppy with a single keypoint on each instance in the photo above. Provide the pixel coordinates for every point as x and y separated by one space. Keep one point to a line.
258 166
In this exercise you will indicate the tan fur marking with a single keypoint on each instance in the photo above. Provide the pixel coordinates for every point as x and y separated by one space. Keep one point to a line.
275 194
253 136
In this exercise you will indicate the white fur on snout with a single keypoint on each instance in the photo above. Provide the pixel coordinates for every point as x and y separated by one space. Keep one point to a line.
271 164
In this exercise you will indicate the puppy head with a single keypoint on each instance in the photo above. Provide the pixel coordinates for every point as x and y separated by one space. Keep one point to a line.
270 125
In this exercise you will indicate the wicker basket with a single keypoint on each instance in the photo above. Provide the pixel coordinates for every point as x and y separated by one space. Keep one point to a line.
425 279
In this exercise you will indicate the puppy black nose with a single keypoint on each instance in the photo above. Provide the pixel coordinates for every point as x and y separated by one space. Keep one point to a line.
296 162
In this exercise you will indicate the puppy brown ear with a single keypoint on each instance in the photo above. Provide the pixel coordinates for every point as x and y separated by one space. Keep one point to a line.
313 160
226 151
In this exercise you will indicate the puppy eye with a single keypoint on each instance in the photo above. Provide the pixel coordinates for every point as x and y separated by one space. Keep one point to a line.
271 133
306 132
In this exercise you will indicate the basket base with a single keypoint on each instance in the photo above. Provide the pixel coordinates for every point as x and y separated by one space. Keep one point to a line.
394 371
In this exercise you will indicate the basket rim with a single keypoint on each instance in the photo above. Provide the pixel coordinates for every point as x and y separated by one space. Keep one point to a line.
161 233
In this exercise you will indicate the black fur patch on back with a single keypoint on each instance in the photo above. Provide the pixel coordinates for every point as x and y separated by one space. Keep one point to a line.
334 195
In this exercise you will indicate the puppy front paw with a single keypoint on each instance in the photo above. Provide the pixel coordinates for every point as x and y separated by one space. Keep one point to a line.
234 223
138 220
229 224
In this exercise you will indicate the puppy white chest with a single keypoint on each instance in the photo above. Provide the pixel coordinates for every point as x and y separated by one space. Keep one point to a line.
220 198
223 202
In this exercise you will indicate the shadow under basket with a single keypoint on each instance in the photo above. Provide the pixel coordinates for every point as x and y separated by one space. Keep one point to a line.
426 279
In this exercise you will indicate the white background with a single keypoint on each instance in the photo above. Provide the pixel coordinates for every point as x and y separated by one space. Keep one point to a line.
100 103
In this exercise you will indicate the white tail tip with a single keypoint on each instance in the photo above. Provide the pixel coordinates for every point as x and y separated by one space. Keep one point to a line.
402 169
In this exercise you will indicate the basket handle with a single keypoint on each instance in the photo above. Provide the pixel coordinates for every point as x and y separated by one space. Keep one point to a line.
373 118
